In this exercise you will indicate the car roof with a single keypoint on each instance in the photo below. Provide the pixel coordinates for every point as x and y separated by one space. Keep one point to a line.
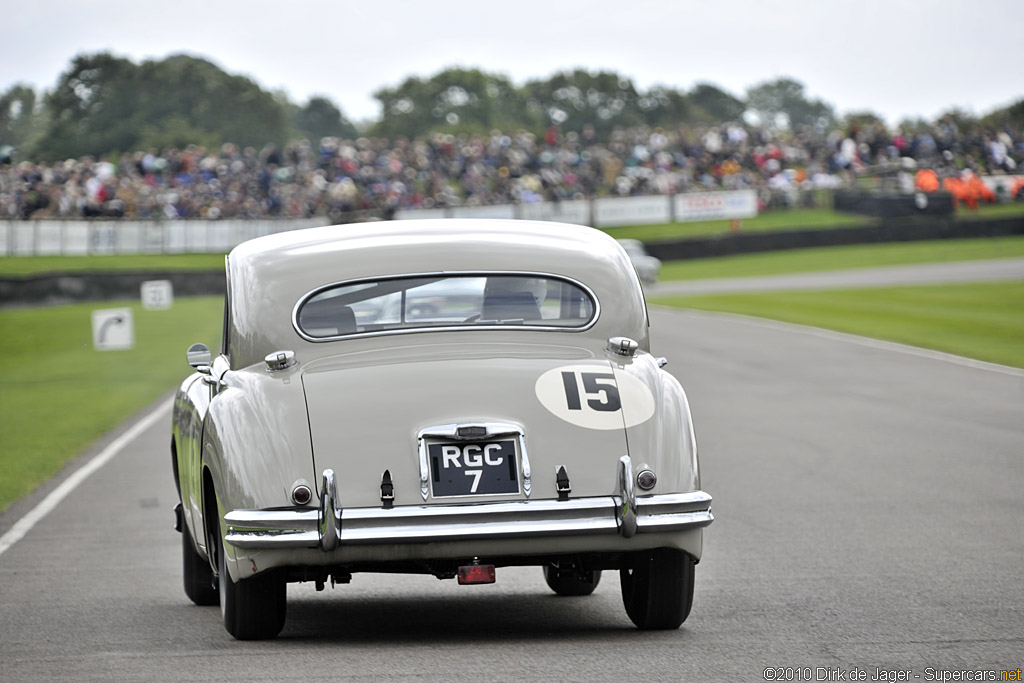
380 241
269 275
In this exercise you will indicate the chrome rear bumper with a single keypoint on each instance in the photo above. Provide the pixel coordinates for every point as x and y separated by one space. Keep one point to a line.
331 526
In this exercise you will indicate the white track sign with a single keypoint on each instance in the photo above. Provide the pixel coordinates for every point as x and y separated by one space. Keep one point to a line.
706 206
157 294
113 329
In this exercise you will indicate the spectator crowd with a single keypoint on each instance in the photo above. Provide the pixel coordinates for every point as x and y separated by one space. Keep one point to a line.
337 177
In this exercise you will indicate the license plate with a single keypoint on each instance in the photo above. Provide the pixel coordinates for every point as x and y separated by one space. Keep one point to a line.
481 468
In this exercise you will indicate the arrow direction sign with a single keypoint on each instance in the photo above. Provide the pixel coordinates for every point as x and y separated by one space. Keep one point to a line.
113 329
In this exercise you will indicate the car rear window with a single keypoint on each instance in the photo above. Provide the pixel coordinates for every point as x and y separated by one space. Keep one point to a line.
432 301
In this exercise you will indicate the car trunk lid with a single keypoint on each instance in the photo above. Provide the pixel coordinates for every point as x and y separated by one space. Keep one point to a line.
400 410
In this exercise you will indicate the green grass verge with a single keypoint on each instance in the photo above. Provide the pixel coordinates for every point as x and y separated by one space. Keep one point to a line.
21 266
985 211
843 258
981 320
791 219
59 395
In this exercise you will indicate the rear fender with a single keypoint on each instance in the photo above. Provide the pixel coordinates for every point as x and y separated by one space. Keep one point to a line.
665 441
256 443
191 403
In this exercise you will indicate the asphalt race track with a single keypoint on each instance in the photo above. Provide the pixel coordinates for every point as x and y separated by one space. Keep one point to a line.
883 276
869 514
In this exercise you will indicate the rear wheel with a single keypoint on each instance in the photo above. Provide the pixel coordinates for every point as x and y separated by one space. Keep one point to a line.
199 585
571 582
657 588
253 608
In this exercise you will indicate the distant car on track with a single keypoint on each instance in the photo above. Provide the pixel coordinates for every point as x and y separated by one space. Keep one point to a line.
434 397
647 266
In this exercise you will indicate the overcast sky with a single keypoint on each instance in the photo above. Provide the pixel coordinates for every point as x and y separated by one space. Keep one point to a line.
897 58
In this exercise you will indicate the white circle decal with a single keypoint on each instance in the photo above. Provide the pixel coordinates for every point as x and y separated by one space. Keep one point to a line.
595 396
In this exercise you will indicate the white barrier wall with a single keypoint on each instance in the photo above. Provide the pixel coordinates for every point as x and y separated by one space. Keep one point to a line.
572 211
105 236
612 212
421 214
505 211
45 237
49 236
75 238
1001 183
81 238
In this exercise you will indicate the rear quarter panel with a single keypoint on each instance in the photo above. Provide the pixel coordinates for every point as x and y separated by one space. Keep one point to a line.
256 443
665 443
191 403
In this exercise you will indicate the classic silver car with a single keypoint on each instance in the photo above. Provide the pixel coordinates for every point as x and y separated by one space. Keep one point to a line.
647 266
518 419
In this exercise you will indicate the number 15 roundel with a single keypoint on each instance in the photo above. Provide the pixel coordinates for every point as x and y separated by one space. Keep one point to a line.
595 397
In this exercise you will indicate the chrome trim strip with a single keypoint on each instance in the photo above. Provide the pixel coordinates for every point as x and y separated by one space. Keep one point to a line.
443 274
451 431
273 528
438 523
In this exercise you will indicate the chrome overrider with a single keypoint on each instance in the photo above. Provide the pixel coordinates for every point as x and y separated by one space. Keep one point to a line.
332 526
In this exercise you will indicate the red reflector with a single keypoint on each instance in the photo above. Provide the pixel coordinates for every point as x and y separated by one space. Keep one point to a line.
476 573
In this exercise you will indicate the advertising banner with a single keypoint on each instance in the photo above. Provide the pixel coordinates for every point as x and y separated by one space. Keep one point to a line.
706 206
610 212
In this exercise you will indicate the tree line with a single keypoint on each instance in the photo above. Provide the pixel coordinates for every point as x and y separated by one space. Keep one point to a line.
104 104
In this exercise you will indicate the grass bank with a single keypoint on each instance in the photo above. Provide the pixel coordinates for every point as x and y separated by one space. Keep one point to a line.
844 258
980 320
59 395
790 219
22 266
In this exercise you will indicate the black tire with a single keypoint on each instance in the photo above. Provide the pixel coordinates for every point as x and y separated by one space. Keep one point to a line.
569 582
657 588
199 583
253 608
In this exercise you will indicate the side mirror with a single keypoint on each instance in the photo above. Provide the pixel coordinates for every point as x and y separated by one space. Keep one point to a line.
200 358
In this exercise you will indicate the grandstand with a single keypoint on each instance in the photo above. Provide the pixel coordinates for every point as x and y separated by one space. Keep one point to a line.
345 180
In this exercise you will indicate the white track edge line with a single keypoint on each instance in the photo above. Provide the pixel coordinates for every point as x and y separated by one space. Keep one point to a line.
51 501
863 341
